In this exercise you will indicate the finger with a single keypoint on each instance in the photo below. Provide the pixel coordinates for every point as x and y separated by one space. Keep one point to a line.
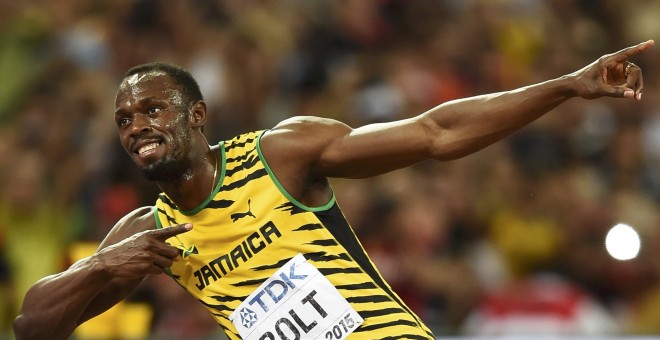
635 82
155 270
631 51
620 91
167 250
165 233
163 262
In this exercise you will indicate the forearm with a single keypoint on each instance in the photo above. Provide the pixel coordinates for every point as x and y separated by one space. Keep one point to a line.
53 306
464 126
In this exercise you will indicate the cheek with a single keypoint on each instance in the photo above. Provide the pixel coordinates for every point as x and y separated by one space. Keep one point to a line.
180 133
123 140
170 121
181 141
179 127
158 122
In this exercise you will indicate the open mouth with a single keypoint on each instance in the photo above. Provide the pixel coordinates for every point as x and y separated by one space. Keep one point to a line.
147 148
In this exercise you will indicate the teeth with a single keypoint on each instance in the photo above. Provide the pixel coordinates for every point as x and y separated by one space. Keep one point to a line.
147 147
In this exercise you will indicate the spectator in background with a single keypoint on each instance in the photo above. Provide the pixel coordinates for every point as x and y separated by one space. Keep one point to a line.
277 45
160 114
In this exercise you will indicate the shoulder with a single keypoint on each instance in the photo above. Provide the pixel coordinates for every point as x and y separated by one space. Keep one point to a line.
295 149
303 123
136 221
303 133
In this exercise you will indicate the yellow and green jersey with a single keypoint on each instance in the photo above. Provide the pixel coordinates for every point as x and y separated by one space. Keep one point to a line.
250 227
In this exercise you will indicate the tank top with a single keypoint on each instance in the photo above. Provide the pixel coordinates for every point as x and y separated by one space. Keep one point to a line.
249 228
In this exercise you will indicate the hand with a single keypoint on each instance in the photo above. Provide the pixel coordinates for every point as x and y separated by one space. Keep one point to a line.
141 254
612 75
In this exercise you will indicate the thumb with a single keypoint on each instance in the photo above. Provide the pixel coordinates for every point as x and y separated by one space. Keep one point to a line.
628 93
619 91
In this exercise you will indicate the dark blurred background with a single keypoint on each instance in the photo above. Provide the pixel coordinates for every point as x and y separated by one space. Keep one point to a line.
510 240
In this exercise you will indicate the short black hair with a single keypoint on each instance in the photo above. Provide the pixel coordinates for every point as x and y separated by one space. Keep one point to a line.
181 77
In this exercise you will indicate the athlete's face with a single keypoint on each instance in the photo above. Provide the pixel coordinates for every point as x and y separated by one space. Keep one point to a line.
153 127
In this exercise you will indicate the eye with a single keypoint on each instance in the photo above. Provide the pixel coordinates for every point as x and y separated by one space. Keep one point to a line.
153 109
123 121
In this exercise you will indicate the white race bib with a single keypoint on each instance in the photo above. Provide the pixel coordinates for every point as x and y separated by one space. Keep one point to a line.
297 302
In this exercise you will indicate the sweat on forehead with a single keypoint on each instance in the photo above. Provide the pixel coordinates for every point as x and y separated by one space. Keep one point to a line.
140 79
150 81
180 80
134 79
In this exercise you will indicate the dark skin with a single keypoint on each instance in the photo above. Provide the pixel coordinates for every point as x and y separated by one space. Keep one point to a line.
303 152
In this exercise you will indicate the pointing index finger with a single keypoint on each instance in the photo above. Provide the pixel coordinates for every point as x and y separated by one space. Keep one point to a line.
629 52
168 232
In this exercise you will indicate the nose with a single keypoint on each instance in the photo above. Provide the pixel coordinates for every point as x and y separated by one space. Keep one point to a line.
141 124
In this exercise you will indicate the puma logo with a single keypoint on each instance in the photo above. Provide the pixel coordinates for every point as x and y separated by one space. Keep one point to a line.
237 216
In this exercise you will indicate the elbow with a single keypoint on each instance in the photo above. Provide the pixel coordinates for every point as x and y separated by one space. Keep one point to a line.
449 145
439 141
29 328
24 330
448 140
444 148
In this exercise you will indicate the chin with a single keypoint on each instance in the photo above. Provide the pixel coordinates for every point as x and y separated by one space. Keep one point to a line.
165 170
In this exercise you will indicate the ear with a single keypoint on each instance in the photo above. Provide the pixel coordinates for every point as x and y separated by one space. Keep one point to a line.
198 114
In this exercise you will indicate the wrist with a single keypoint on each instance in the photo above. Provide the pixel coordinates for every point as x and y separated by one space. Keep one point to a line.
97 267
565 86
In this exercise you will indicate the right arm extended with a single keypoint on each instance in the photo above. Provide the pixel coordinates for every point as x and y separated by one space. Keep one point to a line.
57 304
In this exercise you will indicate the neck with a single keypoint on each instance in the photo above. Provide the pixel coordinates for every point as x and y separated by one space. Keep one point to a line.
195 185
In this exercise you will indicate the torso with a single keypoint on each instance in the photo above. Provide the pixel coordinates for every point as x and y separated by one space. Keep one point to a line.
251 226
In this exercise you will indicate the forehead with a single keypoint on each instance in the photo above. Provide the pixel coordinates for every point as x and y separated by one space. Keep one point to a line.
146 84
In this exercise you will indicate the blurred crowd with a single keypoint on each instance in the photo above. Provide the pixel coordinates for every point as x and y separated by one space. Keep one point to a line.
509 240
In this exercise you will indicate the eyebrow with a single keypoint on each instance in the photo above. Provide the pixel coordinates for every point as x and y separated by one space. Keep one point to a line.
141 102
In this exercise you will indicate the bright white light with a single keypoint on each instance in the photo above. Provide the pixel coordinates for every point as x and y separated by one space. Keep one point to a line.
622 242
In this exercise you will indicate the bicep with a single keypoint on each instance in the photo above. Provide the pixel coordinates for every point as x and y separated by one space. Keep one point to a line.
377 148
333 149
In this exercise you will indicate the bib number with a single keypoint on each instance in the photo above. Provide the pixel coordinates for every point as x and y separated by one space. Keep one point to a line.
297 302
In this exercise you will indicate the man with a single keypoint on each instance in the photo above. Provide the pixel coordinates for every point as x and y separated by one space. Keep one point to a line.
250 226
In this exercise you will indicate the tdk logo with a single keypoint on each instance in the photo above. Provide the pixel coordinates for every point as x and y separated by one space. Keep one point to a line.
248 317
277 289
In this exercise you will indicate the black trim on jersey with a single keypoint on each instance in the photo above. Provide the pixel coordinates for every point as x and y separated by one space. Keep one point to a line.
169 218
335 222
219 307
257 174
405 336
332 271
380 312
369 299
291 207
238 159
395 323
255 282
324 243
357 286
276 265
247 164
213 204
227 298
321 256
219 204
239 144
167 201
309 227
